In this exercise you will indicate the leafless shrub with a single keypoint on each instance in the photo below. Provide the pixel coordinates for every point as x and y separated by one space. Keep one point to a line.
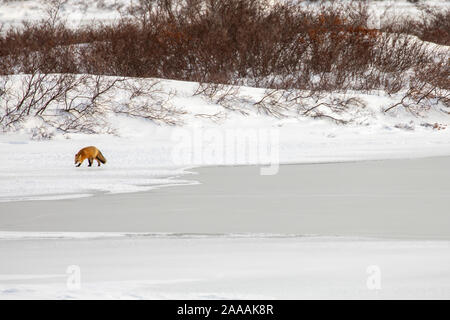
146 99
226 96
274 103
340 109
432 25
283 47
85 105
418 99
52 10
79 103
428 88
228 41
65 102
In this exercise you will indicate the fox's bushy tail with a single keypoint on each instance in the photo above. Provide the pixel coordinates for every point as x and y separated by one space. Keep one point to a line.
101 158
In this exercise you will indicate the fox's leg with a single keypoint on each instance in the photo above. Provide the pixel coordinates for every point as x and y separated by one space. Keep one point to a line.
79 164
98 161
90 162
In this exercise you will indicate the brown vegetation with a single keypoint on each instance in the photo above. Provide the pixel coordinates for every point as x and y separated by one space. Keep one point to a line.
282 47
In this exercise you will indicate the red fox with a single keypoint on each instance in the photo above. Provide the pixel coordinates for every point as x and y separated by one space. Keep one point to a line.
89 153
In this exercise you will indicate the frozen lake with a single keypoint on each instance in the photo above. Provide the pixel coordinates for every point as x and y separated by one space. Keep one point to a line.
225 268
376 229
395 198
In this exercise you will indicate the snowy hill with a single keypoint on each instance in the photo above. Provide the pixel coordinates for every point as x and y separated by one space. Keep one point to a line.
150 137
144 153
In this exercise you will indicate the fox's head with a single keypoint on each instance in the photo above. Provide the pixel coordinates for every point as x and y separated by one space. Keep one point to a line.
77 158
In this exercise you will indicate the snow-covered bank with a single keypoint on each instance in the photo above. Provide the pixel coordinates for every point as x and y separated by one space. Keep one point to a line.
144 154
45 169
224 268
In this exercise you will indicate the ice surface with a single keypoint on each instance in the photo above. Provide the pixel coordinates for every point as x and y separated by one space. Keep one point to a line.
225 268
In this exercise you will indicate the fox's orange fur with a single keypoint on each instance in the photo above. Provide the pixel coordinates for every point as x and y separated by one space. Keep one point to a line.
89 153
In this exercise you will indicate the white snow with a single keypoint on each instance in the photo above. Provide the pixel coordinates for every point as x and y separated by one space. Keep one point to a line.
12 13
87 12
215 267
74 12
143 154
